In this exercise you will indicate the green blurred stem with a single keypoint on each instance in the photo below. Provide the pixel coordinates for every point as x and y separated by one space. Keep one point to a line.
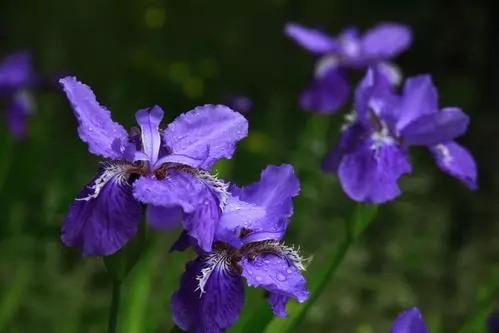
115 307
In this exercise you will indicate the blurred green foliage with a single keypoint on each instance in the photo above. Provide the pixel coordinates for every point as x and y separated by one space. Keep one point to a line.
434 247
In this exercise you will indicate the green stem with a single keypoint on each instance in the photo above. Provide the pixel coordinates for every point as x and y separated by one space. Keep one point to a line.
115 307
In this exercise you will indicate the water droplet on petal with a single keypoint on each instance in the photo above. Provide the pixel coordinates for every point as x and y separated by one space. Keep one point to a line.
266 261
289 271
281 277
258 278
90 129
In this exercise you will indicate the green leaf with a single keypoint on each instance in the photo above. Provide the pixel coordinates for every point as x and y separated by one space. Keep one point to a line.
121 263
263 319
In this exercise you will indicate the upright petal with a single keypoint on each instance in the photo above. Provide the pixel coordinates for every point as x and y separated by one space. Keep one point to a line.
432 129
149 120
409 321
326 94
177 189
276 275
214 126
213 309
419 98
370 173
105 215
350 139
456 160
96 128
16 70
312 40
201 224
164 217
21 106
386 41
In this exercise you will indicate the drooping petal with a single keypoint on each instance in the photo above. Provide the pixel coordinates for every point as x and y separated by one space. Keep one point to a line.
370 173
16 70
177 189
419 98
278 304
96 128
149 120
21 106
201 224
164 217
214 126
312 40
457 161
238 214
105 215
350 139
214 310
435 128
409 321
326 94
276 275
182 243
386 41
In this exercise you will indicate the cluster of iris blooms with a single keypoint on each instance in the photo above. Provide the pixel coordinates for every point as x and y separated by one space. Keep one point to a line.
163 176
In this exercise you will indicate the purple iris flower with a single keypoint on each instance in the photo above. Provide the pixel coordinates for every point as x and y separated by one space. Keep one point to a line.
372 152
493 323
165 169
240 103
17 78
409 321
247 247
329 89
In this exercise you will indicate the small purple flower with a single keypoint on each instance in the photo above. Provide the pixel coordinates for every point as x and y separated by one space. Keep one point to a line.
17 78
247 247
165 169
240 103
329 89
372 152
409 321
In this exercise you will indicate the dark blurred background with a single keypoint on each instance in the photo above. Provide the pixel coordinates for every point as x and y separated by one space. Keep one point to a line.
434 247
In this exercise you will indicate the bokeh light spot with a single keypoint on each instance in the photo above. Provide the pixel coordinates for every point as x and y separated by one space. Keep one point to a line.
364 328
257 142
154 17
193 87
208 68
179 71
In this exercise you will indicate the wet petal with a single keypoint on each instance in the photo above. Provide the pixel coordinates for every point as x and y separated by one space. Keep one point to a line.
149 120
276 275
278 304
386 41
326 94
164 217
18 111
370 174
177 189
96 128
435 128
202 223
183 159
409 321
350 139
16 70
214 310
214 126
419 98
312 40
105 215
457 162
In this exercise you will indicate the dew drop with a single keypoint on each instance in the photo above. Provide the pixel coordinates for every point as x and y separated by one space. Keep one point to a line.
281 277
90 129
266 261
258 278
289 271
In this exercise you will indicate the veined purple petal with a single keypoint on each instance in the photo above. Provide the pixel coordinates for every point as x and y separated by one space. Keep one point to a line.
456 160
214 126
386 41
350 139
216 308
96 128
105 215
201 224
164 217
312 40
18 111
326 94
419 98
370 174
409 321
183 159
16 70
177 189
149 120
276 275
439 127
